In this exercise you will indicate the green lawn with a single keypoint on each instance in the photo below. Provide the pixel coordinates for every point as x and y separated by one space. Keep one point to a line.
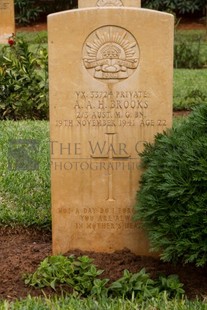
75 303
190 88
25 193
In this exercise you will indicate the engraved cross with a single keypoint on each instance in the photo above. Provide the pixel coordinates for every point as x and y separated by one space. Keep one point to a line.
111 154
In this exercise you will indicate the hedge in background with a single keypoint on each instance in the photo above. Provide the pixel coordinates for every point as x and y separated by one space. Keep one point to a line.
172 200
30 11
177 6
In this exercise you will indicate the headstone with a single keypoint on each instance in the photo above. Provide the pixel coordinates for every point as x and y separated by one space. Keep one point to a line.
7 24
108 3
111 77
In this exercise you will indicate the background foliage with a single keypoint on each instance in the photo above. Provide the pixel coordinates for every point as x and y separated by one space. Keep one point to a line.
172 199
27 11
177 6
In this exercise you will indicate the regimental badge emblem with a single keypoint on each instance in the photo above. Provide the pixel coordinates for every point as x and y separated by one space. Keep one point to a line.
111 54
109 3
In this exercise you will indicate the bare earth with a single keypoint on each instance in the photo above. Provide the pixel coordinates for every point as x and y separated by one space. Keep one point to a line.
21 250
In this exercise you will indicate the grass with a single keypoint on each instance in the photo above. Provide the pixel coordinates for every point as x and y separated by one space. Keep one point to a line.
191 35
25 193
74 303
190 85
36 37
189 88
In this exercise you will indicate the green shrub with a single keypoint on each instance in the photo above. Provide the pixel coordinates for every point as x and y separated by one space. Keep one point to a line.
78 274
172 199
143 287
23 82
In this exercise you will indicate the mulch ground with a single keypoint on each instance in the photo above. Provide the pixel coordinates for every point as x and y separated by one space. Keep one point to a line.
21 250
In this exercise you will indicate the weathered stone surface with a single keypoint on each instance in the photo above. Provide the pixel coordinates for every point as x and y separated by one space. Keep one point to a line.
108 3
111 77
7 25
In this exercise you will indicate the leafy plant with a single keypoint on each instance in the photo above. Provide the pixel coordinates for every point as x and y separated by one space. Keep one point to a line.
171 202
79 274
139 284
23 82
171 285
142 287
82 276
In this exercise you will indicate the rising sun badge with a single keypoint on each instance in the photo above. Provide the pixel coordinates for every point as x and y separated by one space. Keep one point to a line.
111 54
109 3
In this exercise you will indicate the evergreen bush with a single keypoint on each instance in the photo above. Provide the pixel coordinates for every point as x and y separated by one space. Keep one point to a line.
172 199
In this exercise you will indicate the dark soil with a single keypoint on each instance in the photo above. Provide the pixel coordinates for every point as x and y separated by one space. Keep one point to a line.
21 250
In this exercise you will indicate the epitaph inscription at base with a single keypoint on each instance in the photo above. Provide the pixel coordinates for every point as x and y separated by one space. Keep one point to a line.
110 92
